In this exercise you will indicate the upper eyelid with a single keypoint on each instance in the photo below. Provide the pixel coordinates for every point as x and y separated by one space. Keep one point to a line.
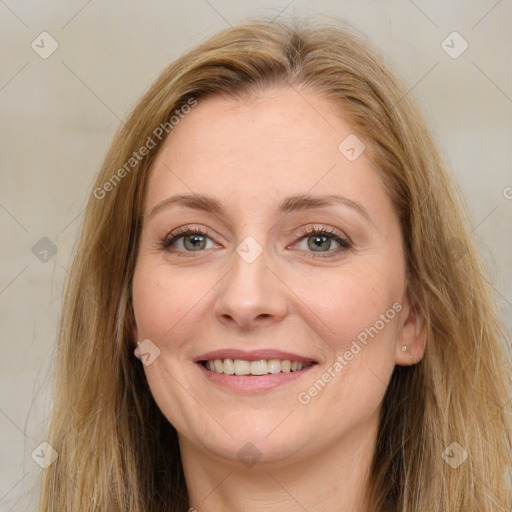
301 233
305 230
317 228
183 231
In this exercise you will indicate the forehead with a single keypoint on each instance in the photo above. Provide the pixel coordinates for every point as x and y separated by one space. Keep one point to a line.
279 142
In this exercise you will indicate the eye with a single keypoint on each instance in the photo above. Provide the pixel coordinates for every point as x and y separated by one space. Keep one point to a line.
323 240
188 239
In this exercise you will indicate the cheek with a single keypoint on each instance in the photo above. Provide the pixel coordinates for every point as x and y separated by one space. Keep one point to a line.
165 300
348 303
357 313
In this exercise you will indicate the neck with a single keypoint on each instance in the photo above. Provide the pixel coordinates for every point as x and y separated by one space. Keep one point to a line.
334 479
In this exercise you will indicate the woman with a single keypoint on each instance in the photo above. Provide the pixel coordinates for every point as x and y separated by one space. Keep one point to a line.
266 310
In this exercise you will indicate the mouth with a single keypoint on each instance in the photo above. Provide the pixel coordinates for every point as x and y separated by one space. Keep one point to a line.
254 368
253 371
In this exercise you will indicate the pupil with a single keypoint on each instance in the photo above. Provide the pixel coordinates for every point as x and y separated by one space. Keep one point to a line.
194 242
318 241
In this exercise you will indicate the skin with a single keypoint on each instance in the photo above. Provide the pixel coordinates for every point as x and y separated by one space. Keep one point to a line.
250 155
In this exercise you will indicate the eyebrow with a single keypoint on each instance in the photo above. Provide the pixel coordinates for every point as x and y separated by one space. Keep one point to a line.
290 204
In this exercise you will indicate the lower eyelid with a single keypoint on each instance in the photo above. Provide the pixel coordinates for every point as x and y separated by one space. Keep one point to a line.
344 245
172 239
329 233
178 234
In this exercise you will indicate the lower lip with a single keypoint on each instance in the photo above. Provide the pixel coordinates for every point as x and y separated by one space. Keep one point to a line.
253 383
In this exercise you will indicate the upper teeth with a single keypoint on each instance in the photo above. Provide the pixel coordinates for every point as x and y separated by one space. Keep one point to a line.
260 367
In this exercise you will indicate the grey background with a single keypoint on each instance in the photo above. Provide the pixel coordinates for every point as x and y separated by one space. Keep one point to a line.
58 116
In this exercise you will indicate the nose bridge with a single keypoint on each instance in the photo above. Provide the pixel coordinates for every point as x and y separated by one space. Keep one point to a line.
250 292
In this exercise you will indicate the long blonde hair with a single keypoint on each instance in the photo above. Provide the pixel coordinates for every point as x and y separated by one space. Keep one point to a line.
116 450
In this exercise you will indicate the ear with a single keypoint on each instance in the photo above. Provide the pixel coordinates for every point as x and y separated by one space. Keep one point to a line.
412 335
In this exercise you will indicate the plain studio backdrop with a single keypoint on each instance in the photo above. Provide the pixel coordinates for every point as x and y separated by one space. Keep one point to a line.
71 71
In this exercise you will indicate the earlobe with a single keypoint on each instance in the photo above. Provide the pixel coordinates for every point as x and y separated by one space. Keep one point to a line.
411 340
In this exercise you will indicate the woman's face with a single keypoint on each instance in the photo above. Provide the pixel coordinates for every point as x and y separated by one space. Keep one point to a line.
265 239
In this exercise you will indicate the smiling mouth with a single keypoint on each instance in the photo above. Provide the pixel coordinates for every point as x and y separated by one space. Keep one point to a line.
255 368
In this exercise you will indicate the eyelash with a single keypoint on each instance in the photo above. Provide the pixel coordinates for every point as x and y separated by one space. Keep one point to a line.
345 243
180 233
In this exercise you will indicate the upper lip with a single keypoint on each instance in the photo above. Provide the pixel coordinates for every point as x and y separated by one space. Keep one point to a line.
252 355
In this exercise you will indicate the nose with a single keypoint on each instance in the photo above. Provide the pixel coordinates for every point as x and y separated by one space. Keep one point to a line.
250 295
